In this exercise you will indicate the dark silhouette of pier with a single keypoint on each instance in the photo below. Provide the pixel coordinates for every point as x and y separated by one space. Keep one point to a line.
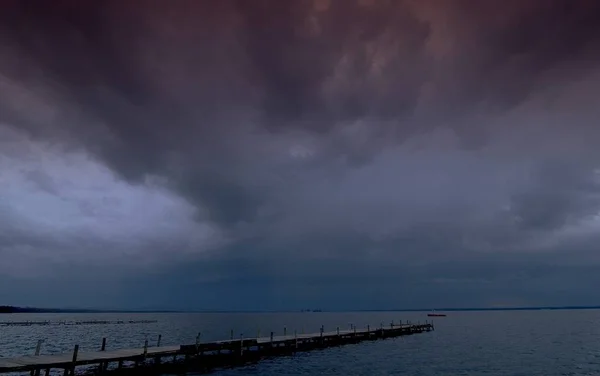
199 356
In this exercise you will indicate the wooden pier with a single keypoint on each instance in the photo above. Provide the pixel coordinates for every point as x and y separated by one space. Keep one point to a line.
197 357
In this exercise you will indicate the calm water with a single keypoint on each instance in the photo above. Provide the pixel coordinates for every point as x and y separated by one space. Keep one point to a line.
464 343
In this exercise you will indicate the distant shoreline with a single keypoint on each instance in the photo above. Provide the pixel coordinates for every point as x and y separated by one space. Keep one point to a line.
14 309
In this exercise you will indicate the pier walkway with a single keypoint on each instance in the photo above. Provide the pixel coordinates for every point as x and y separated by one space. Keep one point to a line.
197 357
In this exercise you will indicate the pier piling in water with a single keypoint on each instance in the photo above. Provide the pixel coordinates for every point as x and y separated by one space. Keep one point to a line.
38 347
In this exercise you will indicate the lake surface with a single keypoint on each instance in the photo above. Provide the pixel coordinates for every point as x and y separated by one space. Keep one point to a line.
561 342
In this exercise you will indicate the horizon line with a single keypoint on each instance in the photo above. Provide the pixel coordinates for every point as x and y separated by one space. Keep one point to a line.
18 309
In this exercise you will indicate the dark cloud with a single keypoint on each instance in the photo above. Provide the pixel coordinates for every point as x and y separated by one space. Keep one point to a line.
563 192
352 129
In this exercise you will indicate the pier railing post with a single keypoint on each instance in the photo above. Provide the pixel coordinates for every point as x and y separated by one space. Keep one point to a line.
231 334
145 348
321 333
241 344
158 340
284 331
271 339
296 339
71 369
338 330
38 347
198 342
102 366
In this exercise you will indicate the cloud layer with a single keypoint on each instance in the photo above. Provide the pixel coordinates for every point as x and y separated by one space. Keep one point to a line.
304 144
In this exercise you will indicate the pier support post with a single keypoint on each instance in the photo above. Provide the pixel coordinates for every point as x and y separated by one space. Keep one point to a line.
38 347
145 348
71 369
158 340
284 331
74 360
271 339
321 333
103 365
198 337
242 344
296 339
231 334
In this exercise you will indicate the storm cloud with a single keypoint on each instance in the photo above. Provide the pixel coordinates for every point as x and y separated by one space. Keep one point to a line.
302 146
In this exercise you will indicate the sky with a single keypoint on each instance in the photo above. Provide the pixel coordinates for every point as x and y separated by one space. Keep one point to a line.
275 155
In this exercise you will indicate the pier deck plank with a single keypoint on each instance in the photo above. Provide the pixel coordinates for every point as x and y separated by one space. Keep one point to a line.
60 360
289 337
